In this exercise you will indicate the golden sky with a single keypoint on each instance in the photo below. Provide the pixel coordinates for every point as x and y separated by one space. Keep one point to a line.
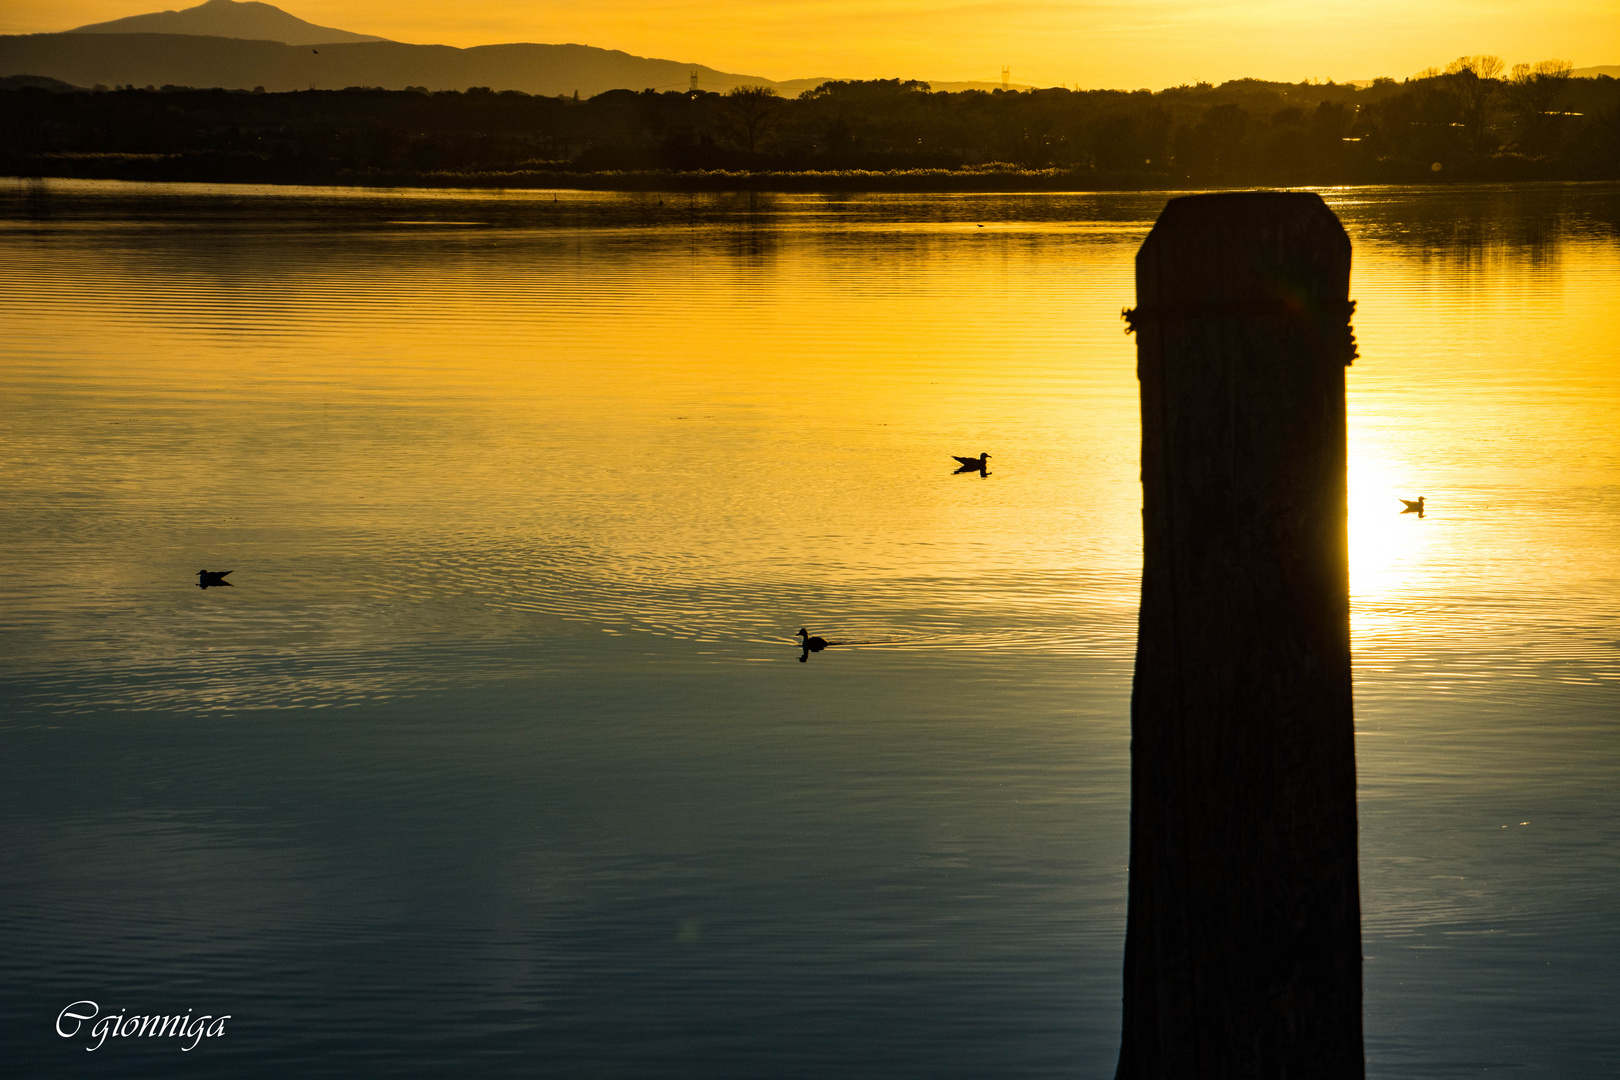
1089 43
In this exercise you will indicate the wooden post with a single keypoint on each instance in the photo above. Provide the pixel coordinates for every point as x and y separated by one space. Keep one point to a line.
1243 942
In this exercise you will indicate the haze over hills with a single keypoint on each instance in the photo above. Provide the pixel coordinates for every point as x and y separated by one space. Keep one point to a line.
243 44
228 18
236 64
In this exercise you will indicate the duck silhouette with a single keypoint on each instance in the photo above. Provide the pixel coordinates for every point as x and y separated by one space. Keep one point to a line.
211 578
1414 507
811 644
979 464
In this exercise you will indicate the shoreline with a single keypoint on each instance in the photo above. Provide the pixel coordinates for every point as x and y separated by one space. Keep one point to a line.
210 169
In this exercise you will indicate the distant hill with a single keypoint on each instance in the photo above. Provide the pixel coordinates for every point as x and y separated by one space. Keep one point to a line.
1611 70
226 49
35 82
86 59
231 19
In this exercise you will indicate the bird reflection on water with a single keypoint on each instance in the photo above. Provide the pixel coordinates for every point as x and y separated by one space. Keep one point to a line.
980 464
1414 506
212 579
810 644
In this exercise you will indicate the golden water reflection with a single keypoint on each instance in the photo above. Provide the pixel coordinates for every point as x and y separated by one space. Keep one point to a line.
1488 383
405 417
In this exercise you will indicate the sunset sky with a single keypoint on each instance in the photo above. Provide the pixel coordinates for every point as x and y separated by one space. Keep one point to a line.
1089 43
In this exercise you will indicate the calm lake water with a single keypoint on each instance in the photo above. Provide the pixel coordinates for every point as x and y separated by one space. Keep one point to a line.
499 759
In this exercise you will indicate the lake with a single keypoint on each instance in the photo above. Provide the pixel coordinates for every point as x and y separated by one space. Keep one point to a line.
500 758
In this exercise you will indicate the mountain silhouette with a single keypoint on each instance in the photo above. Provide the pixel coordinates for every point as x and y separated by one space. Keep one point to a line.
85 59
228 19
244 45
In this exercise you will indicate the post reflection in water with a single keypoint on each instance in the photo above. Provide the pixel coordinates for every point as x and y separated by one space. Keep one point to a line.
493 748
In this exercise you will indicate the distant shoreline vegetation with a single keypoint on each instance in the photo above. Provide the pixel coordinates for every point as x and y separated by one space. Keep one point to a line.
997 177
1472 121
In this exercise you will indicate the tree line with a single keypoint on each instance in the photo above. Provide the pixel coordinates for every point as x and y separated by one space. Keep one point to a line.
1475 119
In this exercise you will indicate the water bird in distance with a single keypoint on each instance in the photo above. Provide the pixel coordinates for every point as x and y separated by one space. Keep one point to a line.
207 579
810 644
968 464
1414 506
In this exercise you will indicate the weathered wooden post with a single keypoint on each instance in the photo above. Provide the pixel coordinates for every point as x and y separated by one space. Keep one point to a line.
1243 943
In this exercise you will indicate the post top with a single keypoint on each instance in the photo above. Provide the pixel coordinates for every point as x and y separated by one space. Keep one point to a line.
1238 247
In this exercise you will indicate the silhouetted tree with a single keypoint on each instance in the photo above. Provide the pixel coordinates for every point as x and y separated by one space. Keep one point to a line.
1603 149
750 114
1474 80
836 138
1129 141
866 90
1211 147
1246 131
1535 93
1418 124
1330 121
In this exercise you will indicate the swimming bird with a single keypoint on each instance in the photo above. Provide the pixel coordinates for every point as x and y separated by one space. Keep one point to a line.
207 578
1414 507
811 644
972 463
